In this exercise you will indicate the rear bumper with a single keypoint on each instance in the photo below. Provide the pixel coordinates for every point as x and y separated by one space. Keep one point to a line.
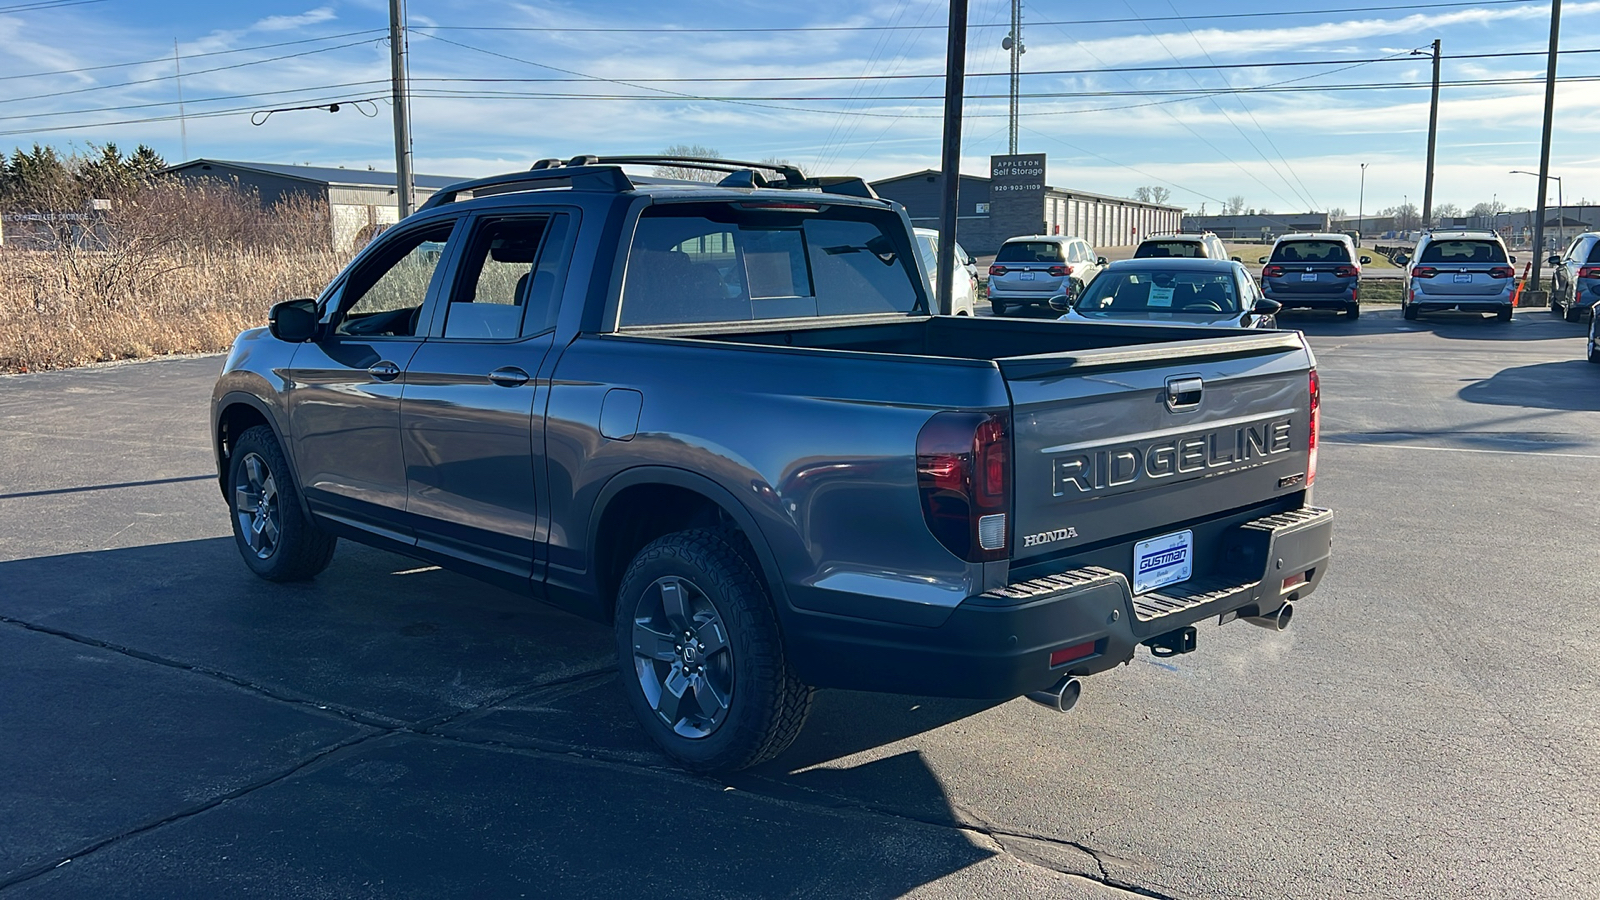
997 645
1303 300
1020 298
1431 304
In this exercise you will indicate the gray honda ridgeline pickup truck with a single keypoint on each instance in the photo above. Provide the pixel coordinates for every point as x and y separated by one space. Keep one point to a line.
722 418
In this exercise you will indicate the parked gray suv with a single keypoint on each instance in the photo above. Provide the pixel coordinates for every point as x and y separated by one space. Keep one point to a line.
1041 270
1314 271
1459 269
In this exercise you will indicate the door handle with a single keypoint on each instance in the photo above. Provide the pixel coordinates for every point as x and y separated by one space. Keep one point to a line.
384 371
510 376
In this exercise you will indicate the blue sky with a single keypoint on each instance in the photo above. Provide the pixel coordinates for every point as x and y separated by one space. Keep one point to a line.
1284 151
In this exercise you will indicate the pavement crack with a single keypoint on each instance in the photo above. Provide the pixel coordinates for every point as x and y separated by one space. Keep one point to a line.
359 717
38 869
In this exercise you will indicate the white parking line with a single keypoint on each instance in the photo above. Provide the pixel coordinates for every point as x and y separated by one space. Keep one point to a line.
1460 449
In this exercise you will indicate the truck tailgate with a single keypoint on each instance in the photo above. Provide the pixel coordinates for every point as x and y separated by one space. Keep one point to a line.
1110 442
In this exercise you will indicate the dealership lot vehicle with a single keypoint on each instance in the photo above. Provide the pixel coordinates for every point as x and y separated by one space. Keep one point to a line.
1041 270
1314 271
1215 292
1465 270
1189 246
745 443
1577 277
964 284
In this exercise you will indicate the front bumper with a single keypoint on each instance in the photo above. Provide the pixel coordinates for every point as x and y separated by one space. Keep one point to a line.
997 645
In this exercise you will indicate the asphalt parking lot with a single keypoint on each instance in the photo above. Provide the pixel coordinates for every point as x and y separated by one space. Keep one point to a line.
173 727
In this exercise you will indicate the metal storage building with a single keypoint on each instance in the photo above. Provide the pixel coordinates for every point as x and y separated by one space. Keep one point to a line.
360 201
1102 220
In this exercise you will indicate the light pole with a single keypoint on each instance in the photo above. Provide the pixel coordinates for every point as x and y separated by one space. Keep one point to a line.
1561 223
1361 200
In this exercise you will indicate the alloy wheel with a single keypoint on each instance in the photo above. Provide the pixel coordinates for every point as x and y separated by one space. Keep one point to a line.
255 505
682 657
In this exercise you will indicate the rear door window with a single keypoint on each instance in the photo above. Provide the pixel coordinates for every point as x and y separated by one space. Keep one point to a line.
1159 249
1463 252
727 262
1310 251
1029 252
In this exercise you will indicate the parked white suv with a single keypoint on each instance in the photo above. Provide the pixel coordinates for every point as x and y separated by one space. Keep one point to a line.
1460 269
1204 245
1041 270
964 284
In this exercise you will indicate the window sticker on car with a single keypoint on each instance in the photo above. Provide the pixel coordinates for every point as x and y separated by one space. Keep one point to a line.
1160 296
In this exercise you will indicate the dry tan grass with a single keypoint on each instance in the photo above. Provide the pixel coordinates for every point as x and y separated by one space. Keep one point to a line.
175 269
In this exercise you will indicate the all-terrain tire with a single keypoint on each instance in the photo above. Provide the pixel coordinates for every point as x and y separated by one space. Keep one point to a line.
299 549
766 705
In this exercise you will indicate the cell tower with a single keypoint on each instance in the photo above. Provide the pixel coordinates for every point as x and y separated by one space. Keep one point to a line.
1013 42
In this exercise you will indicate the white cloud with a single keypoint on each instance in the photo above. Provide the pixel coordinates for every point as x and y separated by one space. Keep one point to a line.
289 23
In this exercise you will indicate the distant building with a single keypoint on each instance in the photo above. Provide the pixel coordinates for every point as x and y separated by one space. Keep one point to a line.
1102 220
1262 226
361 202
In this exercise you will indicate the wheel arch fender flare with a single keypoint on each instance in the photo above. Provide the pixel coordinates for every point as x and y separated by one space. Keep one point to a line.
245 398
706 487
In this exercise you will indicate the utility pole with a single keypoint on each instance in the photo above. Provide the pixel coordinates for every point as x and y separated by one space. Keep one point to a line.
1361 202
1433 137
1544 153
402 106
955 73
183 123
1013 42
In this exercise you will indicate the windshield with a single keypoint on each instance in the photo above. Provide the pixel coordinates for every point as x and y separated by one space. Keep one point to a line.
1029 252
1159 249
1154 291
725 262
1463 252
1310 251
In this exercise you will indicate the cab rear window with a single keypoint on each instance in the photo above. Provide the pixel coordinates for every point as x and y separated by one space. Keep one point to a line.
1467 251
728 262
1029 251
1310 251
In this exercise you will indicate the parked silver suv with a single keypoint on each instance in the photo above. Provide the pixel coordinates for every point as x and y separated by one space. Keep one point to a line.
1041 270
1189 246
1459 269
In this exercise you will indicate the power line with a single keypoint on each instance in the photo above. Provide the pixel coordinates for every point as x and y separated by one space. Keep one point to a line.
46 4
191 75
670 29
165 59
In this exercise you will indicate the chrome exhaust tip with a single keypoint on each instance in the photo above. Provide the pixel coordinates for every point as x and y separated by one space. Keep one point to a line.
1274 621
1061 698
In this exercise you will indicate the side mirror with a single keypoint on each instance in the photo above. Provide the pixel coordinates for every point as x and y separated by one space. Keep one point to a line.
1401 259
1513 260
1061 303
1554 260
293 321
1101 261
1237 259
1262 260
1265 307
1365 260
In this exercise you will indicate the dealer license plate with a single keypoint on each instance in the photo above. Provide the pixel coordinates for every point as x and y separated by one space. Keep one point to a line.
1463 278
1027 276
1161 561
1308 276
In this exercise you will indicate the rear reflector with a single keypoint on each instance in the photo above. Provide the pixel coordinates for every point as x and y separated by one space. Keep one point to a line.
1068 654
1294 580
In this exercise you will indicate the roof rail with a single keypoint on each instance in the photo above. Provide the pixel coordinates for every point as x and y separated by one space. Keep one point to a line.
603 173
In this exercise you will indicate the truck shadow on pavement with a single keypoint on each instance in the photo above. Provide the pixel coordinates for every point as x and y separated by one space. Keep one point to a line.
393 724
1569 385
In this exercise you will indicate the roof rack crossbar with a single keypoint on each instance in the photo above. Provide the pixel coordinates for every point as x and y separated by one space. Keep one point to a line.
790 173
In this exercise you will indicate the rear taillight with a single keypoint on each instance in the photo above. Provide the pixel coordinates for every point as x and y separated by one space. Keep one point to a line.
1589 272
1346 272
964 477
998 270
1272 272
1316 428
1060 271
1502 272
1424 272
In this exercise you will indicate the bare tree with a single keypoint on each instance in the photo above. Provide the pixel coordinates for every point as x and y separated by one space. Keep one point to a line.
684 173
1234 206
1446 211
1336 212
1486 209
1151 193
